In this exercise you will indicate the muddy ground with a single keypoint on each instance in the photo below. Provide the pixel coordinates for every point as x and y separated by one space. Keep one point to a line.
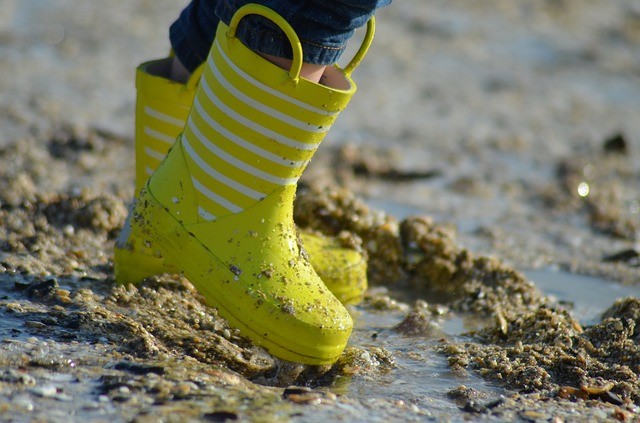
486 140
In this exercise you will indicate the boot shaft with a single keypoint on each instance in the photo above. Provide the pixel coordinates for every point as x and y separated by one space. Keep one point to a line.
254 127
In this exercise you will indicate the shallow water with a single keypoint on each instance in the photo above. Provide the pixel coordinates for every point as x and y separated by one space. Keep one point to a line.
421 378
424 378
587 296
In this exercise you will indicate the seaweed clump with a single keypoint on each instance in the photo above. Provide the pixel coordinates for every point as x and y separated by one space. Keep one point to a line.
548 351
418 254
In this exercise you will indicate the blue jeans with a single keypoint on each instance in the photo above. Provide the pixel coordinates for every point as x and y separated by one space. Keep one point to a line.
324 27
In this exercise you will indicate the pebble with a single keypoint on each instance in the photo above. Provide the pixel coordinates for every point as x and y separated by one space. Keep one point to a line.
14 307
533 416
184 389
68 230
93 405
220 416
121 394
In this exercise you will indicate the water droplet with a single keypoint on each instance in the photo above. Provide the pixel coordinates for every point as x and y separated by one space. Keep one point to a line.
583 189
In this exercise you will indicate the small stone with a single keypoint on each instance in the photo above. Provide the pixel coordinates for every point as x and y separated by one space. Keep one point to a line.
630 256
121 394
182 390
15 376
612 398
533 416
68 230
13 307
473 407
296 390
63 397
616 144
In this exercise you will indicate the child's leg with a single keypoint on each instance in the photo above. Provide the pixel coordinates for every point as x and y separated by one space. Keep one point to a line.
324 27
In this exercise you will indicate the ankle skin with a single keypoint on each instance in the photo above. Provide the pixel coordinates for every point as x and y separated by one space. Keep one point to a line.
309 71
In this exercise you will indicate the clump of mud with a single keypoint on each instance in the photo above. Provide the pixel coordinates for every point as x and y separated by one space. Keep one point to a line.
418 254
548 351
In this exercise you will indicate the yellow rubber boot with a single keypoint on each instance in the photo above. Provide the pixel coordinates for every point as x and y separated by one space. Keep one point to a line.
220 206
162 109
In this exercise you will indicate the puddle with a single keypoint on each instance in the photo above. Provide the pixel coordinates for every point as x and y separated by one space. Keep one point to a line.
587 296
422 376
467 224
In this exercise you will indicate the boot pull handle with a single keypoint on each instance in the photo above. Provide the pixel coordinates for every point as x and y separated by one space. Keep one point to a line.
257 9
296 45
364 47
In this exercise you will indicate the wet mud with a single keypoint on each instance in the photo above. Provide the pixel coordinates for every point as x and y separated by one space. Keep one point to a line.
545 175
156 346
